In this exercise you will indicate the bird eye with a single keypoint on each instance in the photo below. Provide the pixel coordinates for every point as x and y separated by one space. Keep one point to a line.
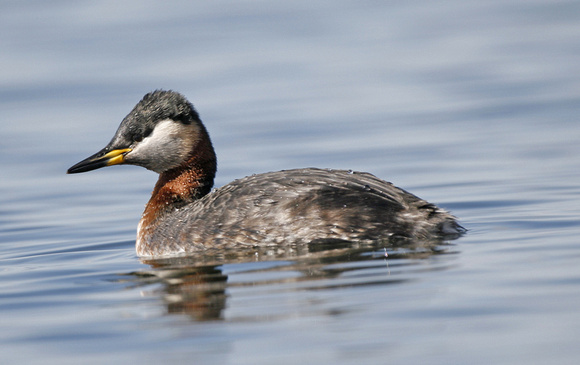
140 137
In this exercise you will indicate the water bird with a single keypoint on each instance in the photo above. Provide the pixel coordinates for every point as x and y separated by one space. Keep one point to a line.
164 133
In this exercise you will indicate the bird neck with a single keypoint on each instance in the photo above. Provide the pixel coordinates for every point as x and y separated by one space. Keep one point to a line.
182 185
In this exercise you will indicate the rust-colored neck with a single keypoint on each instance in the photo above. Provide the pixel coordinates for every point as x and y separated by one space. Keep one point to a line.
181 185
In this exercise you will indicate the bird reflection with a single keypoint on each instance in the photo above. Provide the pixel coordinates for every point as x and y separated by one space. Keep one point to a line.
196 286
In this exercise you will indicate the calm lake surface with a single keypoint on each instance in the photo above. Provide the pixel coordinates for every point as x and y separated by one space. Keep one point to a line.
471 105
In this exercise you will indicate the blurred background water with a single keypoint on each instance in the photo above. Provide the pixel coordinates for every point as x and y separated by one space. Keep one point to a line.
471 105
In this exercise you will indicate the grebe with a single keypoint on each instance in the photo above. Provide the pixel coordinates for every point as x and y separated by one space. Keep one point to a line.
164 133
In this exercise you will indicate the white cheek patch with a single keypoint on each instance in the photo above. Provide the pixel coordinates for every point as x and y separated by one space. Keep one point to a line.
167 147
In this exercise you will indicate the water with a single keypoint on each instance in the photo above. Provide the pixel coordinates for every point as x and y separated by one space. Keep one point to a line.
471 105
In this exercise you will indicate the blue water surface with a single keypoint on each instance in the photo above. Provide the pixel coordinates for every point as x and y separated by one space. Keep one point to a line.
471 105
